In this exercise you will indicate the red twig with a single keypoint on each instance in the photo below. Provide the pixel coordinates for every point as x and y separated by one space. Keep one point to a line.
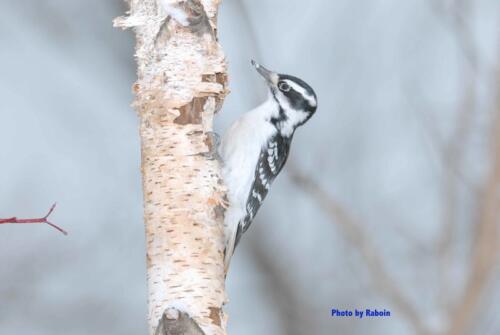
38 220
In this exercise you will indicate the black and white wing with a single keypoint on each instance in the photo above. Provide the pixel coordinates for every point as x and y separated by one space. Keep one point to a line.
272 158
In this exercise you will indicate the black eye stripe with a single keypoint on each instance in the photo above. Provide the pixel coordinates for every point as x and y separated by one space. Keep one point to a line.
301 97
296 99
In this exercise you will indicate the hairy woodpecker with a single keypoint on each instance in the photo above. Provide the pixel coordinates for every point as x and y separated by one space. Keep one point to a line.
256 147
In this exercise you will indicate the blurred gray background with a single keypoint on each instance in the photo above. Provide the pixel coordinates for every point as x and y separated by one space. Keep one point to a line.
390 198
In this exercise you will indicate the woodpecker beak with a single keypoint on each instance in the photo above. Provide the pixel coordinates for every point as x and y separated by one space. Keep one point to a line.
270 76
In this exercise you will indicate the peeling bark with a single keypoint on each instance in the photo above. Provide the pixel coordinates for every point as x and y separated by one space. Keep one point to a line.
174 322
181 85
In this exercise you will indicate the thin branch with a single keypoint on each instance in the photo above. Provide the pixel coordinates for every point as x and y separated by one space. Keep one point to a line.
281 292
486 239
453 151
44 219
364 245
457 23
483 246
453 154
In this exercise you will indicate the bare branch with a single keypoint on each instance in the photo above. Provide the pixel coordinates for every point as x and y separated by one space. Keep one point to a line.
37 220
282 293
342 217
485 244
453 150
454 16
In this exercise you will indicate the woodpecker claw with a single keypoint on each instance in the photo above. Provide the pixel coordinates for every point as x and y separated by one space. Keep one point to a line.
213 143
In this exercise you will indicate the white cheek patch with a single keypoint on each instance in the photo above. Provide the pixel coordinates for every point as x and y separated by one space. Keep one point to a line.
310 98
283 101
293 117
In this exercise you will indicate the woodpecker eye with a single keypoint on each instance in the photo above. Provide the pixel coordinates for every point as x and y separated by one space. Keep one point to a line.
284 86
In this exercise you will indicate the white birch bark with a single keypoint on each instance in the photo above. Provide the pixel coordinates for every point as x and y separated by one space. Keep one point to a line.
181 85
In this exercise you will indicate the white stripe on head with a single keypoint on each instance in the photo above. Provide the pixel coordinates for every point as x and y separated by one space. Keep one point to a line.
302 91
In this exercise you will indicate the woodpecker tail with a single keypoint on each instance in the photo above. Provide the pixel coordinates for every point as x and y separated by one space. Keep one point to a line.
232 231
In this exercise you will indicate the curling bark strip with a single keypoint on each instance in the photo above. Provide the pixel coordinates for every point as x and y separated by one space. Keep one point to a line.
181 85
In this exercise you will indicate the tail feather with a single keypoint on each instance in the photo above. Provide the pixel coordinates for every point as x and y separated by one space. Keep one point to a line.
232 231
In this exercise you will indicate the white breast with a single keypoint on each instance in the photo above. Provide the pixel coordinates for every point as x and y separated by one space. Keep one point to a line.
240 149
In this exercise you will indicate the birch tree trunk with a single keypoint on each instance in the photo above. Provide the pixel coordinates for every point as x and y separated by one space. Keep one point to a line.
181 85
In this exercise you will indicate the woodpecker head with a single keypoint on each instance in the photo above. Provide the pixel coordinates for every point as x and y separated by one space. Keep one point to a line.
296 99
